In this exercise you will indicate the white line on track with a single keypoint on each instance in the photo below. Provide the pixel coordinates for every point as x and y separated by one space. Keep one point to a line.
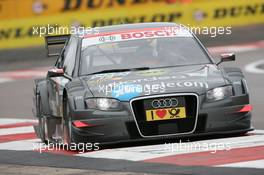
5 80
238 47
248 164
253 67
23 145
6 121
18 130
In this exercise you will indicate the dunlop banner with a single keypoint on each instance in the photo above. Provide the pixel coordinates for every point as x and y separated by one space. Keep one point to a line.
23 32
14 9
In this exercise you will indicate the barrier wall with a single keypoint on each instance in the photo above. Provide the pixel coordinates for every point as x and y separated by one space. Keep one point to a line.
14 9
18 32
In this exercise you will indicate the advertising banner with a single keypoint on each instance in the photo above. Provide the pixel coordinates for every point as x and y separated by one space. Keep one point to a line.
26 32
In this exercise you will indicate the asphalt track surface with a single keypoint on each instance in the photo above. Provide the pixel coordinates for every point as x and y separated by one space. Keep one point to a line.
16 102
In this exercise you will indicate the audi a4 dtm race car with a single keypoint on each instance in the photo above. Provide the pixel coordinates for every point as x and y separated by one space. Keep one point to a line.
138 82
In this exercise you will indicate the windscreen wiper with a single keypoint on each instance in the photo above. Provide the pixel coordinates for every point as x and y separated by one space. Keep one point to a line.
120 70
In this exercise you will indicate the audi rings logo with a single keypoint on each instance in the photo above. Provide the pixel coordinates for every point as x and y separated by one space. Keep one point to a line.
107 38
165 103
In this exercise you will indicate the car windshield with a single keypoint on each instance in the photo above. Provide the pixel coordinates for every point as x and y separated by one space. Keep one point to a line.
151 53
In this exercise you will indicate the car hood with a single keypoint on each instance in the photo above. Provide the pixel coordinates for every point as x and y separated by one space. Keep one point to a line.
183 79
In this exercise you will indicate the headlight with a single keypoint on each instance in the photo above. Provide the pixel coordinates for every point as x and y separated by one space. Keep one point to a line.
219 93
103 104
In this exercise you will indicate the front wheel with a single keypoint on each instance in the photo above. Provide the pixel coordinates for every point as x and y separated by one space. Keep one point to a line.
67 136
70 136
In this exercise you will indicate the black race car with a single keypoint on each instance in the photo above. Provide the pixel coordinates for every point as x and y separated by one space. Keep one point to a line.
136 82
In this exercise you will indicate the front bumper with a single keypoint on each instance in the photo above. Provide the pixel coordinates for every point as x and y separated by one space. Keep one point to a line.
221 117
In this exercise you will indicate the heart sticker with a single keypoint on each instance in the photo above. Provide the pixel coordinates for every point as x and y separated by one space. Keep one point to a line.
161 113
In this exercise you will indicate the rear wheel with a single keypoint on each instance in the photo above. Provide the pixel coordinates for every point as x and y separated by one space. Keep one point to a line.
66 126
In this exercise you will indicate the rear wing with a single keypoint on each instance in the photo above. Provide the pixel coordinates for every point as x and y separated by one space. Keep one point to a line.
54 44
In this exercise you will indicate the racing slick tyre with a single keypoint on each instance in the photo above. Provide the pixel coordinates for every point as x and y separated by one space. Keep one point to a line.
69 136
42 122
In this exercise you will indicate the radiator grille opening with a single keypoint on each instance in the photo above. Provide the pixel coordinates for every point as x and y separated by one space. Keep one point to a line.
170 124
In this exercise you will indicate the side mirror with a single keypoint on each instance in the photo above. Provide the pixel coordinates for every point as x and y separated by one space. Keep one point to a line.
227 57
55 72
